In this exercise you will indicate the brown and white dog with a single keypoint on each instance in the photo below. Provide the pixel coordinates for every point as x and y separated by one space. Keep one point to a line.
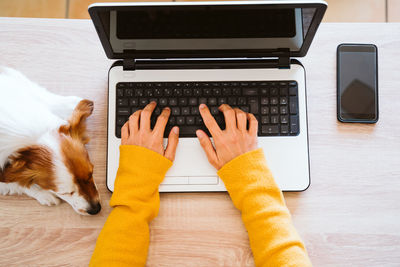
42 145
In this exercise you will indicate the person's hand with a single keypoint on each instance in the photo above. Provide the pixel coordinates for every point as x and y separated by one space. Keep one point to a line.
137 131
231 142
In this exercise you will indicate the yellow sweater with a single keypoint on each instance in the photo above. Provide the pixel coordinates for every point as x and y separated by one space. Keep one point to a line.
124 240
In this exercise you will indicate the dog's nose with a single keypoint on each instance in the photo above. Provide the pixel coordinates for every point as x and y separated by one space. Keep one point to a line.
94 209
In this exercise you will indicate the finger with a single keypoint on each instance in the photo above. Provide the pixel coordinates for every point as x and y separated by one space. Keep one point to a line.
209 120
241 119
134 122
145 116
253 124
124 133
173 140
162 121
229 115
207 146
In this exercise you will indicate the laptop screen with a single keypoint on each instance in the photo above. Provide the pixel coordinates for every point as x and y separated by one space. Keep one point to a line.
201 27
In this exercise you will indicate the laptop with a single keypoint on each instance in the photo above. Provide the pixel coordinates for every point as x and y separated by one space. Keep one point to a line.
181 54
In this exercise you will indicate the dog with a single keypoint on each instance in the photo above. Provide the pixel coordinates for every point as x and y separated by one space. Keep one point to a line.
42 145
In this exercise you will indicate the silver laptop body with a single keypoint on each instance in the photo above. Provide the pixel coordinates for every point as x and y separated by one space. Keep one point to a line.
212 60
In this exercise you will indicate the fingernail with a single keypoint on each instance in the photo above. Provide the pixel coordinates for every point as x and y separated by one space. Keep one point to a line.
199 134
167 108
202 106
153 102
176 130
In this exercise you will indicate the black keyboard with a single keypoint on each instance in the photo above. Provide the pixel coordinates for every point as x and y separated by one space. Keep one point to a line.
274 103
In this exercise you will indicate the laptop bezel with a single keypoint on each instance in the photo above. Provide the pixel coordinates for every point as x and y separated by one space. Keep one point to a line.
94 10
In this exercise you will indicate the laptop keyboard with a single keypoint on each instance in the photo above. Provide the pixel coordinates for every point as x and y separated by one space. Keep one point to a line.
274 103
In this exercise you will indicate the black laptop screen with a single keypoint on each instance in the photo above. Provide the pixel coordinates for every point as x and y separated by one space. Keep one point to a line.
165 29
205 23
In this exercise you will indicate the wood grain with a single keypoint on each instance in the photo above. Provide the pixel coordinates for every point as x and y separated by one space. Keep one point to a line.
33 8
393 10
355 11
348 217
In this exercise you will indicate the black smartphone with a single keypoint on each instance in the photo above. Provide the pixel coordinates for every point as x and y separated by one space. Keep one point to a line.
357 83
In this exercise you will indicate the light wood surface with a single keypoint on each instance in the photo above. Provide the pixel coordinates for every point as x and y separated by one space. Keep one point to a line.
350 215
355 11
393 10
33 8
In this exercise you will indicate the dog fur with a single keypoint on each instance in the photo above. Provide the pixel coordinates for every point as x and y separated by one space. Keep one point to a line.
42 145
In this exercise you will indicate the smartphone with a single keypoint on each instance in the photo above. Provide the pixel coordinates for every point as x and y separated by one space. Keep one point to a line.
357 83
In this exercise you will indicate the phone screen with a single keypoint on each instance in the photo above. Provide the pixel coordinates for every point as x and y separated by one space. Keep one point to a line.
357 83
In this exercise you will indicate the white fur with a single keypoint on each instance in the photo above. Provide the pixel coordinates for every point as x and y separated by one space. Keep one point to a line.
31 115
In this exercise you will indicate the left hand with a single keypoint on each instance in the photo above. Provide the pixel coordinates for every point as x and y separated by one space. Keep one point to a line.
137 132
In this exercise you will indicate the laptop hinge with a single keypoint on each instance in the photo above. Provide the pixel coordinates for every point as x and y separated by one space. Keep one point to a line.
129 64
284 58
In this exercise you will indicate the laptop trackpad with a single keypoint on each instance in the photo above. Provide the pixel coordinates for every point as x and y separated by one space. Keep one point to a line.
190 160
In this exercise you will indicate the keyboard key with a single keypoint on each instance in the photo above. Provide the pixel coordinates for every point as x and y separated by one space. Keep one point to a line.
264 91
163 102
284 91
216 91
175 111
197 92
173 101
194 111
242 101
180 120
157 111
121 120
124 111
274 119
128 92
274 101
264 101
143 101
293 108
185 111
134 109
274 91
283 110
148 92
199 120
284 119
249 91
207 91
187 92
294 124
264 119
193 101
158 92
293 91
177 92
182 101
202 100
236 91
269 129
232 101
274 110
120 92
283 101
212 101
133 102
171 121
139 92
253 102
284 129
168 91
214 110
222 100
190 120
264 110
226 91
122 102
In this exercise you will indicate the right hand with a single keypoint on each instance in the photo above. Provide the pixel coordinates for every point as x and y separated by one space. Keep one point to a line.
234 141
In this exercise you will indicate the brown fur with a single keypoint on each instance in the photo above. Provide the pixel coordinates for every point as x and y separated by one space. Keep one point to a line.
74 152
30 165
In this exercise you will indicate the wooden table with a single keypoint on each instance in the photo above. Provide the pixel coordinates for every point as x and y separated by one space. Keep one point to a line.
350 215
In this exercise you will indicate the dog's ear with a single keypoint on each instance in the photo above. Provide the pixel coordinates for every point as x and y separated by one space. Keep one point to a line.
30 165
76 127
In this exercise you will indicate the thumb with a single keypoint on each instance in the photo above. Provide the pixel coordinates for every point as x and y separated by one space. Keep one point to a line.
173 140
